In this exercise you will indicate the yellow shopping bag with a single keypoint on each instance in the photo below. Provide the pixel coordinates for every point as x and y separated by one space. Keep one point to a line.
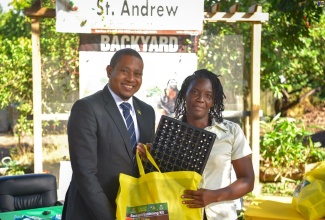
309 196
156 195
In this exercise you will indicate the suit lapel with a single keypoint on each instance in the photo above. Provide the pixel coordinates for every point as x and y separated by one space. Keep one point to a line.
116 116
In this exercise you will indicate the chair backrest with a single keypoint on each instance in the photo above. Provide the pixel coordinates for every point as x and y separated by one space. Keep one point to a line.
27 191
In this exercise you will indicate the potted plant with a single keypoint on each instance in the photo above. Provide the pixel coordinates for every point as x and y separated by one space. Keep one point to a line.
284 149
11 167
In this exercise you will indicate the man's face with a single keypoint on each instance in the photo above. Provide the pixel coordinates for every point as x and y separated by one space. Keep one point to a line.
125 78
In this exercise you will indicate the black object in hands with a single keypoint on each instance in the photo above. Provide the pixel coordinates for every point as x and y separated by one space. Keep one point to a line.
178 146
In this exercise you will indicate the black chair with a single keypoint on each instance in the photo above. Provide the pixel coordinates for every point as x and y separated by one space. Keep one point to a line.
27 191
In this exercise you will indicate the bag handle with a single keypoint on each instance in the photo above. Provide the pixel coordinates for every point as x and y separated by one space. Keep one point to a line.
149 157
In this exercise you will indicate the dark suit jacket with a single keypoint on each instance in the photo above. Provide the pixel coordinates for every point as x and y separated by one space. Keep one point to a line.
100 150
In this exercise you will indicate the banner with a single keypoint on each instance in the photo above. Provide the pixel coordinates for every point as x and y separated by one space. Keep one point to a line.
141 43
176 17
166 57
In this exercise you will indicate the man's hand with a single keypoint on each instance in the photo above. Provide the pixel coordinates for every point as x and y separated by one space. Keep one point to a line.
142 151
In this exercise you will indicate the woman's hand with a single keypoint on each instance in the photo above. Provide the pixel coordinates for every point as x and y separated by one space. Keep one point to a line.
142 151
197 199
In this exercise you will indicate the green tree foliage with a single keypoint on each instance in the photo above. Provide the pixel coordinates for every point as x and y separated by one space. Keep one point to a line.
60 66
292 54
16 66
59 60
292 59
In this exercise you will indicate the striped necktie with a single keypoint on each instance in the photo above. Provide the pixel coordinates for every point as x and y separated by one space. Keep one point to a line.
129 124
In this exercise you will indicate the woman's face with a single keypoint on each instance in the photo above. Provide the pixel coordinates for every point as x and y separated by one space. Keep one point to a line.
199 99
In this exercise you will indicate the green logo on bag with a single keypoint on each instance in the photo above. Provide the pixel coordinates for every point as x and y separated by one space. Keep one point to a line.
157 211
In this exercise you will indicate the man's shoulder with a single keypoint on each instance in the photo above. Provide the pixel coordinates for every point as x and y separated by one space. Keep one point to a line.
94 95
91 99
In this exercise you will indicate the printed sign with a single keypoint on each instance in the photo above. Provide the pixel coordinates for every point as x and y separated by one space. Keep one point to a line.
177 17
141 43
165 58
159 68
158 211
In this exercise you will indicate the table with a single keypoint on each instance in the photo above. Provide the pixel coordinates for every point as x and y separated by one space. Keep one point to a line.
271 208
32 212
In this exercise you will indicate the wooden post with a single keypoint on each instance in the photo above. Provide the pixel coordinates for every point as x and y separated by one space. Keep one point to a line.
37 95
36 12
255 100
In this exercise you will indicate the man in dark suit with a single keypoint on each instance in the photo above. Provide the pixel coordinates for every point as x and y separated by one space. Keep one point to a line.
99 143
